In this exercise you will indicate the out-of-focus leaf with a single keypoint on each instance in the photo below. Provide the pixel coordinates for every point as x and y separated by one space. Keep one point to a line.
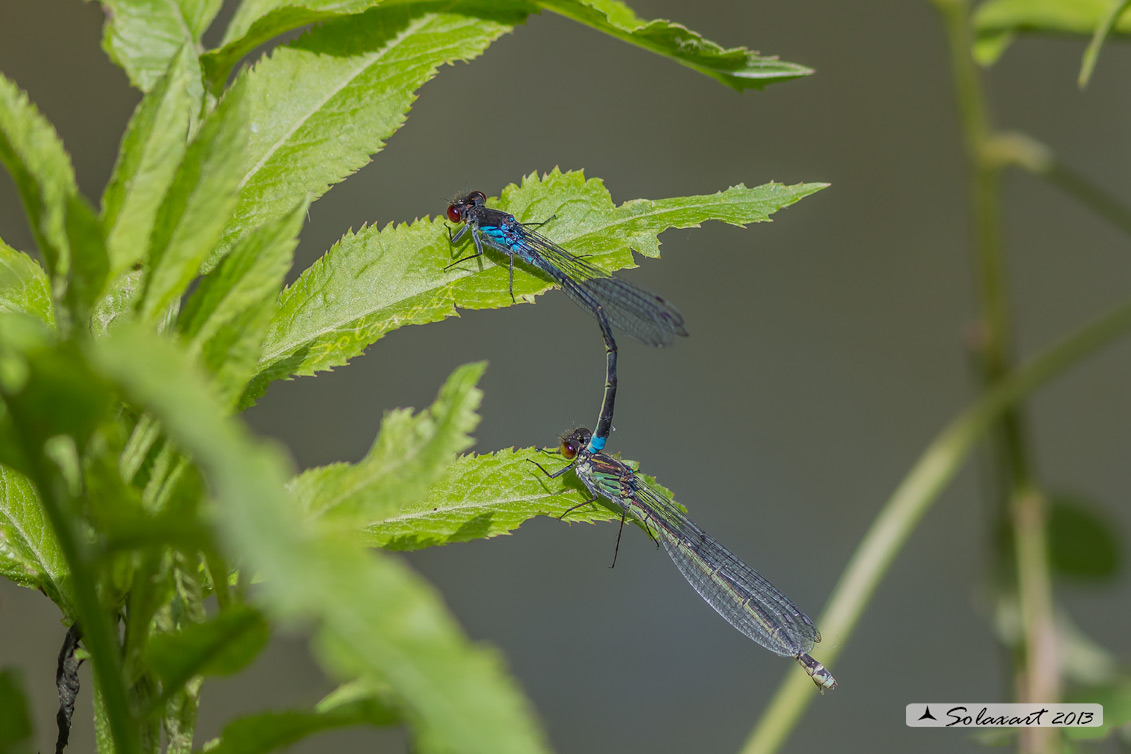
334 311
322 104
736 67
198 205
225 319
1085 661
24 288
151 150
47 387
372 617
1116 700
362 694
1092 54
90 265
143 36
1082 543
221 645
269 731
996 22
409 453
29 553
16 732
41 168
355 703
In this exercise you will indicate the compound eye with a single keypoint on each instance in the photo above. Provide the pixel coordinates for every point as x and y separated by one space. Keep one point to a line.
454 214
477 197
569 449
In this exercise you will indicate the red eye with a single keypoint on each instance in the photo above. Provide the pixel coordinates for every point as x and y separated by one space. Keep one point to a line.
569 450
477 197
454 214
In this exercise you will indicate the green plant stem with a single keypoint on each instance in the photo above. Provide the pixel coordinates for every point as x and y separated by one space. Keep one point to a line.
1037 674
911 499
992 286
98 634
1042 678
1023 151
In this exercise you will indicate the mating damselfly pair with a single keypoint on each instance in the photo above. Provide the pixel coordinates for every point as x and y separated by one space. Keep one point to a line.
736 591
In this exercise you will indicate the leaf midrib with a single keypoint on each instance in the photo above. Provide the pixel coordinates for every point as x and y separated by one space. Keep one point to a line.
179 17
367 62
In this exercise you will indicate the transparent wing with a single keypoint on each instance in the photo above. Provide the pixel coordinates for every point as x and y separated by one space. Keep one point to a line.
736 591
643 315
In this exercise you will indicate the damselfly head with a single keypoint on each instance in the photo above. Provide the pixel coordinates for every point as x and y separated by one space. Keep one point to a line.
457 210
573 441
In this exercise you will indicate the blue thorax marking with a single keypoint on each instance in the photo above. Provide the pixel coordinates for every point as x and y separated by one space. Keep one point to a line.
498 236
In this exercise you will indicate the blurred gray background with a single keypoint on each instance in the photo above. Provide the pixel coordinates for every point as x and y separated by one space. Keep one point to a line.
826 352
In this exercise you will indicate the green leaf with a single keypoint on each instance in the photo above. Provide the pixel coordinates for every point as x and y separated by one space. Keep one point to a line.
143 36
32 152
259 21
24 288
118 303
53 404
1116 700
257 734
1085 661
1092 53
409 453
222 645
29 553
16 732
483 496
736 67
198 205
321 105
333 312
996 22
151 150
1082 542
356 703
47 387
372 617
226 318
90 265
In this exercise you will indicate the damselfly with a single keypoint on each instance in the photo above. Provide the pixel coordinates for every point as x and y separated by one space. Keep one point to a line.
615 303
736 591
643 315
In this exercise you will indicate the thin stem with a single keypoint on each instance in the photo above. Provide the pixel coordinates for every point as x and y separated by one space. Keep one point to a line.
1020 503
914 496
993 292
98 634
1023 151
1036 597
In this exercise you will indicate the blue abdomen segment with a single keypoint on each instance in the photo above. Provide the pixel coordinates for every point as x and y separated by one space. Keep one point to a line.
597 444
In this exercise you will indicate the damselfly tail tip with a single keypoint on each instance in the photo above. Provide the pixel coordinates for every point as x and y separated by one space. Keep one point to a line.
818 672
